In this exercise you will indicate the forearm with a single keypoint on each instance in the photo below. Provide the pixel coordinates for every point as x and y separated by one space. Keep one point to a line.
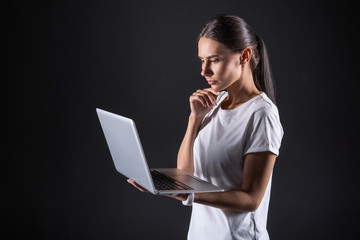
185 158
238 200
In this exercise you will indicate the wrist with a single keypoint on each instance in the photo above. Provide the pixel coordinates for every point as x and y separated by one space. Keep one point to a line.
196 120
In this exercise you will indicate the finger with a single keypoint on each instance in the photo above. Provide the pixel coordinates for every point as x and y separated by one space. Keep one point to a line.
212 91
171 195
181 197
209 95
139 187
132 182
199 98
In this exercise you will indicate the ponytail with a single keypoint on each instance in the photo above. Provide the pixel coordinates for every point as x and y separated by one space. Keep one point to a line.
262 73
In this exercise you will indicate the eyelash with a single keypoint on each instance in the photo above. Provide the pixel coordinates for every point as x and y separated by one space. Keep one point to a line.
212 61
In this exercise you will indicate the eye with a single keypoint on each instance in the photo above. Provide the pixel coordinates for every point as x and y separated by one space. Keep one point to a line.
215 60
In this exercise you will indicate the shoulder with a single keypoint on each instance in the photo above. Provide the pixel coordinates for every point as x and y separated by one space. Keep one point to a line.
263 107
265 113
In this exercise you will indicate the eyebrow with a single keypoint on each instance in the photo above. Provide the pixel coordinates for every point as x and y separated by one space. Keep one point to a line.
212 56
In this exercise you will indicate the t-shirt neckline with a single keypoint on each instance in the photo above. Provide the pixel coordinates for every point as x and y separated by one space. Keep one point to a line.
245 103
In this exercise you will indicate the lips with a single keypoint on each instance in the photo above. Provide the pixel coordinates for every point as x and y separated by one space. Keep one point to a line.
211 82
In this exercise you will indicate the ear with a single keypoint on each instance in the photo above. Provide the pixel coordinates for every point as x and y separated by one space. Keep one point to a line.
245 55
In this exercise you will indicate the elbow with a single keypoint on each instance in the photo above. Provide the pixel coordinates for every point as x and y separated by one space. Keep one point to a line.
183 165
254 205
249 207
186 169
249 202
255 202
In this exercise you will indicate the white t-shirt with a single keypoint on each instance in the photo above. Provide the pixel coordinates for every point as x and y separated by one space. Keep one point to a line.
225 137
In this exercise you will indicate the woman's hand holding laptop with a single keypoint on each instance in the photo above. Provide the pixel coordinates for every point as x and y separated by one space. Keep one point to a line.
180 197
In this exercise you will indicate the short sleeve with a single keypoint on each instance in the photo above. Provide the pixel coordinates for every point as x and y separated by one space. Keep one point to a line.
264 132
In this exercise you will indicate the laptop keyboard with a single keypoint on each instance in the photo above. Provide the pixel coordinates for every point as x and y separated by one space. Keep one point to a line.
163 182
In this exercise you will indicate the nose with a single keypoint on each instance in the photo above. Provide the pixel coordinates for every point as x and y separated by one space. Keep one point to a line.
206 70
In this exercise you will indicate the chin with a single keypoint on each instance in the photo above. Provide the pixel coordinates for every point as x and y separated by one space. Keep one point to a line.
217 88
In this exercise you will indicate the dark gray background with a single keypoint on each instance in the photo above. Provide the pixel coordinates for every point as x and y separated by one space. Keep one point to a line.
61 60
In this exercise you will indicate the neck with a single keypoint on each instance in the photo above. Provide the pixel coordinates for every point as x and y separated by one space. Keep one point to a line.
240 92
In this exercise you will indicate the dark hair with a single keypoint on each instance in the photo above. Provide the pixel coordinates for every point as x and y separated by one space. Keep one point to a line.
236 34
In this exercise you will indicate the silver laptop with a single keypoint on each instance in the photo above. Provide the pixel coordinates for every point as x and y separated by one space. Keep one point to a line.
129 159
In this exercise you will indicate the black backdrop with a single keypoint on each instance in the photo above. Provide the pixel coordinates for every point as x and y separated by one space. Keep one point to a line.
61 60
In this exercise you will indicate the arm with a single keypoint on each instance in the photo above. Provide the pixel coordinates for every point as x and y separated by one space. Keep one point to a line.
185 155
201 103
257 171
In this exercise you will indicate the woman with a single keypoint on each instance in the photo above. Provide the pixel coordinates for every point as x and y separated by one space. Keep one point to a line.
233 137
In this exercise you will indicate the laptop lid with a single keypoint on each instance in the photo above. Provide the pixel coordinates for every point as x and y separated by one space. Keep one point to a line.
125 148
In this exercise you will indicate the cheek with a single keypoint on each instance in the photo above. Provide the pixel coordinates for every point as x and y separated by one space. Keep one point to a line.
228 72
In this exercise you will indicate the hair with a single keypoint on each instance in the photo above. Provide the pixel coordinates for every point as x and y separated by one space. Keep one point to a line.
237 35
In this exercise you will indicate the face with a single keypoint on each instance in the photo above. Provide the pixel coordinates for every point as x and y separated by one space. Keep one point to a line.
220 66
